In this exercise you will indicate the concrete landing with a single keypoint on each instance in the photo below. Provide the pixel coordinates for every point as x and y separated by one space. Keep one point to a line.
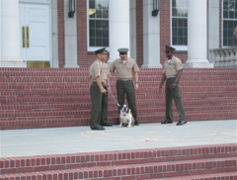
31 142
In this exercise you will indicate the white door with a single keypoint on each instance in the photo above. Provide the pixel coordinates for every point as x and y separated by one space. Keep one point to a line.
35 28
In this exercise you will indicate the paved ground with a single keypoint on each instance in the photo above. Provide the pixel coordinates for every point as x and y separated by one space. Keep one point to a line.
82 139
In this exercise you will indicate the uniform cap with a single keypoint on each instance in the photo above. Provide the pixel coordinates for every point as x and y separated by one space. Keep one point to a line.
169 49
122 51
101 51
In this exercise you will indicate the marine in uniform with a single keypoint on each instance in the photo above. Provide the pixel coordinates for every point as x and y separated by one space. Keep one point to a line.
126 68
172 72
97 89
105 83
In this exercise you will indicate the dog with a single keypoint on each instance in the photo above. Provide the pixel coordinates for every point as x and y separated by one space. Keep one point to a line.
126 117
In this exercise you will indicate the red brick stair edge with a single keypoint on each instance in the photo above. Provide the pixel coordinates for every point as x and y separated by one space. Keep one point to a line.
213 176
113 158
137 171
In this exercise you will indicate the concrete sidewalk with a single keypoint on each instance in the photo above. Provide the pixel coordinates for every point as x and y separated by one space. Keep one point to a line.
49 141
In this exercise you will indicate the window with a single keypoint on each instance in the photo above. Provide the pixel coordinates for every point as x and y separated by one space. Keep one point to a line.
180 23
229 22
98 23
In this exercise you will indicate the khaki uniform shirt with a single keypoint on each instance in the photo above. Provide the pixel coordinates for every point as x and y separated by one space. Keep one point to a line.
124 70
105 72
171 67
96 69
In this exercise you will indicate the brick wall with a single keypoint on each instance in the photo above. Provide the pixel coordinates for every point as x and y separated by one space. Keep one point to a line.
139 24
85 58
165 31
61 34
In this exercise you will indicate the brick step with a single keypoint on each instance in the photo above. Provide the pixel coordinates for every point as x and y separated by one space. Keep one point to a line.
149 105
73 71
152 77
82 79
153 86
86 98
86 112
213 176
148 85
136 171
141 98
65 121
199 79
113 158
29 113
187 96
47 87
46 92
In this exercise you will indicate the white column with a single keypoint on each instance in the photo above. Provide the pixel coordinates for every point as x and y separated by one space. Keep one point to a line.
55 62
0 33
151 37
119 30
70 38
213 28
133 30
197 35
10 34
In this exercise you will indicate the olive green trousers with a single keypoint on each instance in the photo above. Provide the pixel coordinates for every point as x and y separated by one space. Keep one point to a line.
99 106
170 94
127 87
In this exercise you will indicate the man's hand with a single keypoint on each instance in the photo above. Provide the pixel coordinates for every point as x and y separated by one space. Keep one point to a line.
103 90
174 85
160 88
136 86
105 84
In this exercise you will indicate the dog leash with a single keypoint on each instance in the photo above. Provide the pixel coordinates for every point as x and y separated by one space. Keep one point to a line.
114 98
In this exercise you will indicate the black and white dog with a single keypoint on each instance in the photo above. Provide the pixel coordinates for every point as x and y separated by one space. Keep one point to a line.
126 117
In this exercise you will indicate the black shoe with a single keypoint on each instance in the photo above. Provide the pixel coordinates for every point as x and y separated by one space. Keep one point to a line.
137 123
167 121
106 124
181 122
98 129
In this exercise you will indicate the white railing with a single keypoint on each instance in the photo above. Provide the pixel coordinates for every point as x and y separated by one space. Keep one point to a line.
224 57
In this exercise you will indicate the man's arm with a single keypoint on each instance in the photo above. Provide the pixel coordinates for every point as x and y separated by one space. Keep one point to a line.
135 74
163 79
180 72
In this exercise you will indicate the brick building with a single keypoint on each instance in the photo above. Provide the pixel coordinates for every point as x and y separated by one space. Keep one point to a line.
64 35
41 30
